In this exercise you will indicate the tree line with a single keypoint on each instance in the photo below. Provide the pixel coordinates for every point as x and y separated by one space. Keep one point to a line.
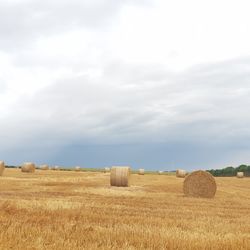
231 171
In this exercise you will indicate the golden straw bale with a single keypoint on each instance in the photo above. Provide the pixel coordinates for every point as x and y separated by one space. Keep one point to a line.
181 173
77 168
2 167
240 174
141 171
44 167
119 176
28 167
106 170
200 184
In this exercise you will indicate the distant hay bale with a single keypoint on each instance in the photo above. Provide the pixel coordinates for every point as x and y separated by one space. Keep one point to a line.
180 173
28 167
44 167
77 168
57 168
160 172
200 184
141 171
119 176
240 174
2 167
106 170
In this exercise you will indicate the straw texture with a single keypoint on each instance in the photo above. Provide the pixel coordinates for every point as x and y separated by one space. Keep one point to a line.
200 184
2 167
28 167
119 176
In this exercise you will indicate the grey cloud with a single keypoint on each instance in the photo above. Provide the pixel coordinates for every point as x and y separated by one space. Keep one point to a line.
204 108
183 106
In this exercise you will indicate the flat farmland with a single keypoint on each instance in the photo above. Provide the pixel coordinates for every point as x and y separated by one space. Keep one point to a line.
79 210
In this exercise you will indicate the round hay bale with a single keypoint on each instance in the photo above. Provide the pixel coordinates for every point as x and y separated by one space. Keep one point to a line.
77 168
44 167
240 174
141 171
200 184
28 167
180 173
2 167
160 172
57 168
106 170
119 176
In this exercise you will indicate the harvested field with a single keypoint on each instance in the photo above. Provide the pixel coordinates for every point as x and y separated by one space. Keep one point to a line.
79 210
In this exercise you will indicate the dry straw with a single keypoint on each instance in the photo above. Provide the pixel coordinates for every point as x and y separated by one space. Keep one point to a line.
2 167
119 176
106 170
141 171
77 168
28 167
44 167
180 173
200 184
240 174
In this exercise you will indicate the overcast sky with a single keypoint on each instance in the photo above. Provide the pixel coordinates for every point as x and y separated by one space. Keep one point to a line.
157 84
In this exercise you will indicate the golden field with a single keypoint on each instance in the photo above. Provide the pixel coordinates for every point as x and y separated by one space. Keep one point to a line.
79 210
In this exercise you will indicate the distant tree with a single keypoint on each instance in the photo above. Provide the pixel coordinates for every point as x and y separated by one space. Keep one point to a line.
217 172
211 171
231 171
242 168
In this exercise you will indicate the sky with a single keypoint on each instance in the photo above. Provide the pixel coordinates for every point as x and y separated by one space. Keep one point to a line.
154 84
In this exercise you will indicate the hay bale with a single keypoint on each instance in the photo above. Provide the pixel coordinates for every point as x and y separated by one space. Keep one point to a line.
119 176
44 167
160 172
240 174
180 173
28 167
200 184
77 168
57 168
2 167
141 171
106 170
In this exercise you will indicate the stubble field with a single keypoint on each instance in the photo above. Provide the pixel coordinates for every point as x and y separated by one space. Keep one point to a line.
79 210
